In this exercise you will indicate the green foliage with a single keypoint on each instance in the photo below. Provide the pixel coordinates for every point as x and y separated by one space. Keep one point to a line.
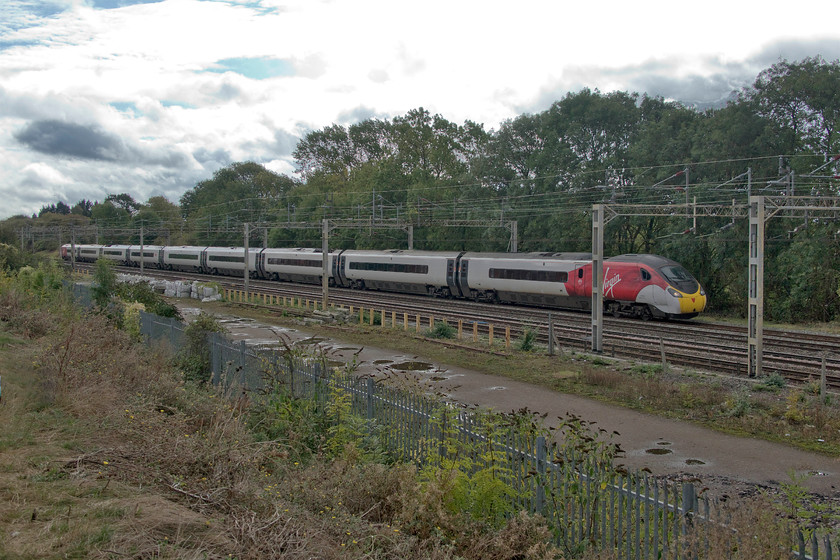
131 320
141 292
441 330
470 475
773 383
194 357
11 258
528 339
105 283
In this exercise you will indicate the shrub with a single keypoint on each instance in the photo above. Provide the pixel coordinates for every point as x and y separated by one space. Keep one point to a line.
141 292
194 358
529 337
441 330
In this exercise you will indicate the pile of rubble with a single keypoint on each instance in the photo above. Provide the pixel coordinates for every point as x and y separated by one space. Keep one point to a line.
178 288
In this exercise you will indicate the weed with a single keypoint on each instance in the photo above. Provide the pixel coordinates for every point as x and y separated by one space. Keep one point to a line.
528 339
773 383
441 330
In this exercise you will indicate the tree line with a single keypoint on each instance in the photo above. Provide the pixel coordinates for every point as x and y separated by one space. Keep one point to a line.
461 184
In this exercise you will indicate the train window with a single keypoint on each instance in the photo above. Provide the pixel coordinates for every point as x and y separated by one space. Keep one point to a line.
219 258
115 253
645 275
296 262
580 273
183 256
532 275
391 267
680 278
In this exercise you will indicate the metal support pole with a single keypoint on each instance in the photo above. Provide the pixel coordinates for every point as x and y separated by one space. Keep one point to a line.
73 248
246 274
141 251
597 276
514 236
325 273
755 329
410 237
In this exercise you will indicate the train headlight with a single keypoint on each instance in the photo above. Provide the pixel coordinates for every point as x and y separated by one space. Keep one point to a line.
673 292
702 292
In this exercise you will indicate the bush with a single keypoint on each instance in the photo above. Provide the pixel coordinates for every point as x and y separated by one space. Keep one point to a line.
141 292
194 359
529 337
441 330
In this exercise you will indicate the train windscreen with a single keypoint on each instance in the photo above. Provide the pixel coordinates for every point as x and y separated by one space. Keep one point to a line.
680 278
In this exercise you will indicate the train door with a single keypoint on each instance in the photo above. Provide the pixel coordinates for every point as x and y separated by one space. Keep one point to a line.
259 264
463 277
338 270
202 260
451 278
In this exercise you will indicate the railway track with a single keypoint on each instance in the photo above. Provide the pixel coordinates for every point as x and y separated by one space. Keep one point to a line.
799 356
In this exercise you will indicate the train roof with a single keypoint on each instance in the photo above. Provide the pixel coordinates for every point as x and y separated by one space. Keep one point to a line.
535 255
399 252
653 261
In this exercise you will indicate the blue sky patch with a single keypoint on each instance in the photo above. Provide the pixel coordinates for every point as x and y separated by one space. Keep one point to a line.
113 4
182 104
255 68
126 107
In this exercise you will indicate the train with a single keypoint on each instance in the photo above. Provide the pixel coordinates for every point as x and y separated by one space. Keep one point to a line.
642 286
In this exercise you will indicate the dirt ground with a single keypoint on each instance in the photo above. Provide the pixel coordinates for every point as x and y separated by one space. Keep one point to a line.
728 466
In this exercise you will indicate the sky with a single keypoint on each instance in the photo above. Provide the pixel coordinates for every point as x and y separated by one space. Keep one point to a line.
149 97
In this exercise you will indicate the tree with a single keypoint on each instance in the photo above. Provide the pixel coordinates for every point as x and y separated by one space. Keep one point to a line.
123 201
82 208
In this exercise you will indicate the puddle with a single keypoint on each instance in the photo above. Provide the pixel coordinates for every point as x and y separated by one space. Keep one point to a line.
658 451
694 462
412 366
663 443
497 388
382 362
346 349
437 378
817 473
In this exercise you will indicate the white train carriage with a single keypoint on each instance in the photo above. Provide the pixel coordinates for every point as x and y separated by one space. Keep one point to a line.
184 258
295 265
229 261
419 272
116 253
88 253
152 255
526 278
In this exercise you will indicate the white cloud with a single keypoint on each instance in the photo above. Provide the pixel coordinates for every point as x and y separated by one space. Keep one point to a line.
138 74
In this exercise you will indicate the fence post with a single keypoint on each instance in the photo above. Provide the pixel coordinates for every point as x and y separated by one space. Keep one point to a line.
370 400
541 464
215 360
242 361
550 335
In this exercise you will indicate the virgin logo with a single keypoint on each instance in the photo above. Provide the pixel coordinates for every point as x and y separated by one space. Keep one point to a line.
610 283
